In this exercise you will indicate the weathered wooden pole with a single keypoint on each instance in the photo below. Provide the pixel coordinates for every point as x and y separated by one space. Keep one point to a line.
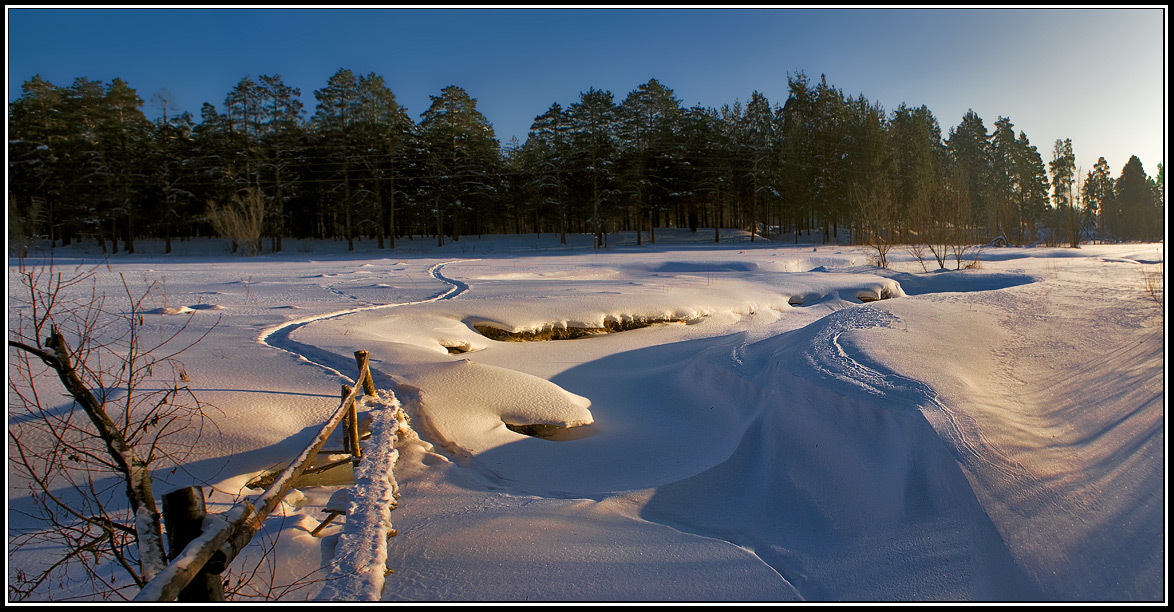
353 432
183 513
349 423
363 358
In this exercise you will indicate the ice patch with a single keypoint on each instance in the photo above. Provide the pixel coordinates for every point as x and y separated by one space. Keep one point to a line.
707 266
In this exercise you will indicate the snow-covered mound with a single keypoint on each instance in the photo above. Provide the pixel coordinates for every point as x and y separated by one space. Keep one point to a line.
470 408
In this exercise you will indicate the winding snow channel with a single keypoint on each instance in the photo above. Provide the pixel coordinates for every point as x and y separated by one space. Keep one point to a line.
278 337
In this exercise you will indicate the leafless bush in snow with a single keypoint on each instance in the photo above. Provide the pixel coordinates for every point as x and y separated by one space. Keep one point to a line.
878 219
1153 280
242 220
84 459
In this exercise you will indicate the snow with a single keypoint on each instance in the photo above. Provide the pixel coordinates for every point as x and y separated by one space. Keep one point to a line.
994 434
215 531
153 549
357 574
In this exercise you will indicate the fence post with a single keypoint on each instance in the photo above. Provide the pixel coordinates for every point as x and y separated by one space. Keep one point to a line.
353 431
183 514
349 443
363 359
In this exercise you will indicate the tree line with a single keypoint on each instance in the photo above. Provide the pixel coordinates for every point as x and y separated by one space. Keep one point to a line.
85 163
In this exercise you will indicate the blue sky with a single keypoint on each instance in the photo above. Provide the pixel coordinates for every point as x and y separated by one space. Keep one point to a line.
1097 76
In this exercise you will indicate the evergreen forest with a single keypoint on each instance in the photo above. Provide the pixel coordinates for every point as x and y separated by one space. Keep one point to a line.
86 164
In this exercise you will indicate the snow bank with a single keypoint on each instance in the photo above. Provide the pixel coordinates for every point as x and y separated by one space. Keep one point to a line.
468 406
359 566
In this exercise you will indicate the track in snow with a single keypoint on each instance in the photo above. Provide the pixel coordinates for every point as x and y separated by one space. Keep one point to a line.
278 337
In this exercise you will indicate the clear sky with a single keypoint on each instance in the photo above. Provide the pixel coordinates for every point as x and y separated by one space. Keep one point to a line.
1095 75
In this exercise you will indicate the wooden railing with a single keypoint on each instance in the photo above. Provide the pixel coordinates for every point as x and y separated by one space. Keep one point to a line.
206 545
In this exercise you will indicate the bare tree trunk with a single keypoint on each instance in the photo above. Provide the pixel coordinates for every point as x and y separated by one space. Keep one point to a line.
279 223
598 229
391 211
350 234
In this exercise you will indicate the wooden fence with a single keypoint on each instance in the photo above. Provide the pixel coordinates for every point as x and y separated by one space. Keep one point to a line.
203 546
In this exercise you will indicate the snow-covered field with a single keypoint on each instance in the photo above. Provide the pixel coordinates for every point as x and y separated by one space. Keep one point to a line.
986 434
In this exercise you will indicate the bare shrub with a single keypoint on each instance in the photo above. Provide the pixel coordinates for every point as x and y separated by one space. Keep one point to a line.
917 250
1153 281
242 220
943 229
966 254
85 462
877 214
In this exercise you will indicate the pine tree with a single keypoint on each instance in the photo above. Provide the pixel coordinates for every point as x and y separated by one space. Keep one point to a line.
1063 172
736 164
1003 164
81 161
593 137
464 159
103 142
799 175
867 154
281 137
699 170
828 140
171 145
382 130
244 112
1032 180
519 202
213 156
918 154
647 122
1160 186
1097 194
1157 212
333 123
1135 200
128 131
545 158
970 156
36 146
757 136
1020 183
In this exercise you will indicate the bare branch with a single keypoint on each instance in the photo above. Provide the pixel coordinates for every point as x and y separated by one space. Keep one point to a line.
73 474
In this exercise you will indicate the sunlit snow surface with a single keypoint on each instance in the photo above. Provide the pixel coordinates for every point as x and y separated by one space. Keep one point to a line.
989 434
